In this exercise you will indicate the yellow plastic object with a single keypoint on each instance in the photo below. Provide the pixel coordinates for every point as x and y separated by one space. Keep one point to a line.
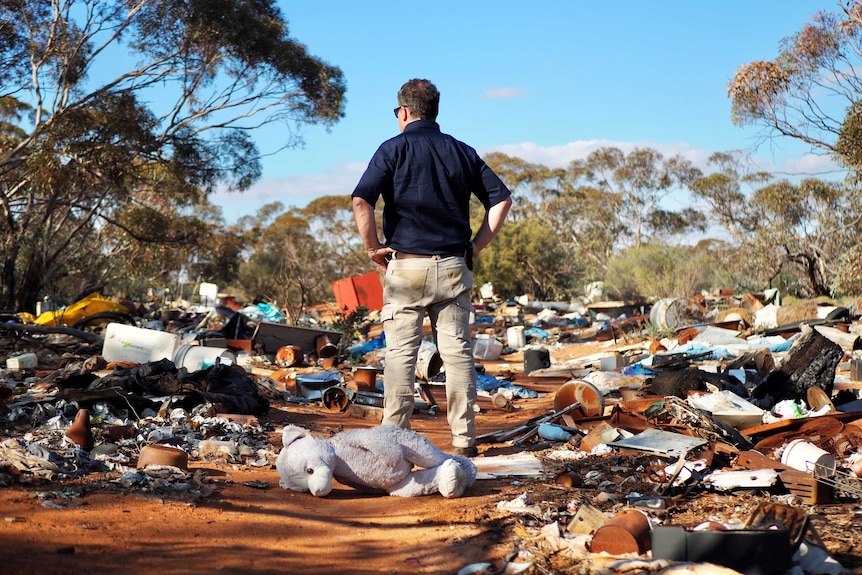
86 307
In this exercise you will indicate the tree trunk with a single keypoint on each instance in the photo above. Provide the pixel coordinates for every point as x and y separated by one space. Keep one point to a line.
8 286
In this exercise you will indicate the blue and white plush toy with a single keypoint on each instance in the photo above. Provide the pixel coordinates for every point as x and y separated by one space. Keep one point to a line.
385 458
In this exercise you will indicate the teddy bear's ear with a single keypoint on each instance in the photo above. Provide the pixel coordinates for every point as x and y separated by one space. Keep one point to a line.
291 433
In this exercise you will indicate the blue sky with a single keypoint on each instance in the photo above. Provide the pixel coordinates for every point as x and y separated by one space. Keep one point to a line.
547 81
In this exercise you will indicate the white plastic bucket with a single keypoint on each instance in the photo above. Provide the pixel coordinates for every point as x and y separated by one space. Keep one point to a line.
428 363
197 357
515 337
805 456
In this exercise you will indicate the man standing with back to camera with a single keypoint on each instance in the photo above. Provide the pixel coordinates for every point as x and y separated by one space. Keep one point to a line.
426 178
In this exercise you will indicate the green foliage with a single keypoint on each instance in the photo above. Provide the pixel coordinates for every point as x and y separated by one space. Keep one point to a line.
791 236
285 264
352 326
810 91
847 280
527 258
656 271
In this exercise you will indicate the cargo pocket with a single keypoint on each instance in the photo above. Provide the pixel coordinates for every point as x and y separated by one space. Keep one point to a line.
387 313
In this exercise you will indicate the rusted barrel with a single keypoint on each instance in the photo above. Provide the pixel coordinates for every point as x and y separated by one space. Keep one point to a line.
626 532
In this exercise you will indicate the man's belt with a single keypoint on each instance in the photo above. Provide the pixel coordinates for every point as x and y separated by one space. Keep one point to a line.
466 254
405 256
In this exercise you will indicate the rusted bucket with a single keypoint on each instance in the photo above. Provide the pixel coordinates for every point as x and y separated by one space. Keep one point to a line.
583 392
568 479
158 454
626 532
365 378
289 356
80 431
325 347
336 398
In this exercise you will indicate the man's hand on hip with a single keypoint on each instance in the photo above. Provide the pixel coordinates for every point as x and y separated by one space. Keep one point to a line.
380 255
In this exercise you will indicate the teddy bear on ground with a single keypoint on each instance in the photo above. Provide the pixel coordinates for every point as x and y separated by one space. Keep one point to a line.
386 458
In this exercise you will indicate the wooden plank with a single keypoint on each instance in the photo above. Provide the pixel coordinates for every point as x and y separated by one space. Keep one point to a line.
793 424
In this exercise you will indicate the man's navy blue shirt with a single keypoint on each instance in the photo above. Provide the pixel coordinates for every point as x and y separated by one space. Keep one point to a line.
426 178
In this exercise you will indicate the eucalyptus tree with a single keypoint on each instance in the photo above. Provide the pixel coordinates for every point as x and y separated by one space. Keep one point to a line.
810 91
118 117
285 259
799 232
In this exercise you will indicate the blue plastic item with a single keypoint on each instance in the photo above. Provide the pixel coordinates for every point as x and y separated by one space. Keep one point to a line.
553 432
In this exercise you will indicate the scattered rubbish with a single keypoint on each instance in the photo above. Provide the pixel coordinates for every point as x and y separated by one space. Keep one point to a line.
514 465
197 357
289 356
587 520
643 425
515 337
521 504
138 345
555 432
272 336
80 431
365 378
536 359
587 395
509 568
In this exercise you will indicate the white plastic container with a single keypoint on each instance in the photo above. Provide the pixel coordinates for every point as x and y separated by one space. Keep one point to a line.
805 456
23 361
197 357
486 347
515 337
138 345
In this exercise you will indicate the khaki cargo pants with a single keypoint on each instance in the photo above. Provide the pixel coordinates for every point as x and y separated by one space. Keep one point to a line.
439 286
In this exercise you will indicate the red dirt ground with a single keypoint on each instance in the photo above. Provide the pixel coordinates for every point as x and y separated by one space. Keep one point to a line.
246 526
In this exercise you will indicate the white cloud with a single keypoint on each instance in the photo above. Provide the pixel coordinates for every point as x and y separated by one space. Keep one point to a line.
811 165
504 93
291 191
561 156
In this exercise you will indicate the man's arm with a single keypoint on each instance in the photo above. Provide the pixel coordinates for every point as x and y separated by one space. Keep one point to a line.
495 217
363 213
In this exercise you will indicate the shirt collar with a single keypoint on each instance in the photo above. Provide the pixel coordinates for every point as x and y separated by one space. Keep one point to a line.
420 124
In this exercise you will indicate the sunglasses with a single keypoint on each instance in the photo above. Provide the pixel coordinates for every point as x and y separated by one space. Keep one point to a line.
398 109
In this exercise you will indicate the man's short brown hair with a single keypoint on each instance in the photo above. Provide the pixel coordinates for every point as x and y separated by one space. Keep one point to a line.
421 97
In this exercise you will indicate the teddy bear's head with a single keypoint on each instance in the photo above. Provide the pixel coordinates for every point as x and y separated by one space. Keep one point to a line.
305 462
